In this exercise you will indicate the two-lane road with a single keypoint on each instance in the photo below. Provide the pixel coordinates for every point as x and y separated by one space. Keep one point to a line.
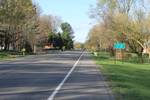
38 77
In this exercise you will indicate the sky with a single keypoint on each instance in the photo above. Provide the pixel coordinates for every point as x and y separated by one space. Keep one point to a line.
75 12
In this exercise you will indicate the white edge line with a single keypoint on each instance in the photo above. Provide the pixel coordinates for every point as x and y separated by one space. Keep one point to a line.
51 97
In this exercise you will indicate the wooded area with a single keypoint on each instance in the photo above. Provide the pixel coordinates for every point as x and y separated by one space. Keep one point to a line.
23 26
126 21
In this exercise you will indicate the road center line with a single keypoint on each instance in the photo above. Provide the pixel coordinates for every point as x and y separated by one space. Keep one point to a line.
51 97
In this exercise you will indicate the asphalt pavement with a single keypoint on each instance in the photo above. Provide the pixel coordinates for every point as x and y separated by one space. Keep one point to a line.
37 77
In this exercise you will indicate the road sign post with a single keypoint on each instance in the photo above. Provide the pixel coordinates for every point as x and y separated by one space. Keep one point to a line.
119 47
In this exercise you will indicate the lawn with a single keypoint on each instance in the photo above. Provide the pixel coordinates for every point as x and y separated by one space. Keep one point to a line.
129 81
6 55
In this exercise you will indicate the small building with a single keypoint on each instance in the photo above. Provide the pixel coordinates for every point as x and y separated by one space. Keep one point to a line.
48 46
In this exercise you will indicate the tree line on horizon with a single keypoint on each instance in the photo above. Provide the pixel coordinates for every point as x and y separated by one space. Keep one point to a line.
23 26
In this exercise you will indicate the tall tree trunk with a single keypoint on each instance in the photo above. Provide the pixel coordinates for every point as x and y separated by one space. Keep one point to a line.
6 44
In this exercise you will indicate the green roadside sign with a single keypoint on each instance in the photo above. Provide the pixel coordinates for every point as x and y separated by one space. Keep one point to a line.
119 45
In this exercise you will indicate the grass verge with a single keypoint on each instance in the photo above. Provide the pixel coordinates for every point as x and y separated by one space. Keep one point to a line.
129 81
6 55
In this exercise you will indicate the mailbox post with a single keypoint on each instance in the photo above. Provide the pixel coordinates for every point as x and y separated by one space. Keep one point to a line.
23 51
